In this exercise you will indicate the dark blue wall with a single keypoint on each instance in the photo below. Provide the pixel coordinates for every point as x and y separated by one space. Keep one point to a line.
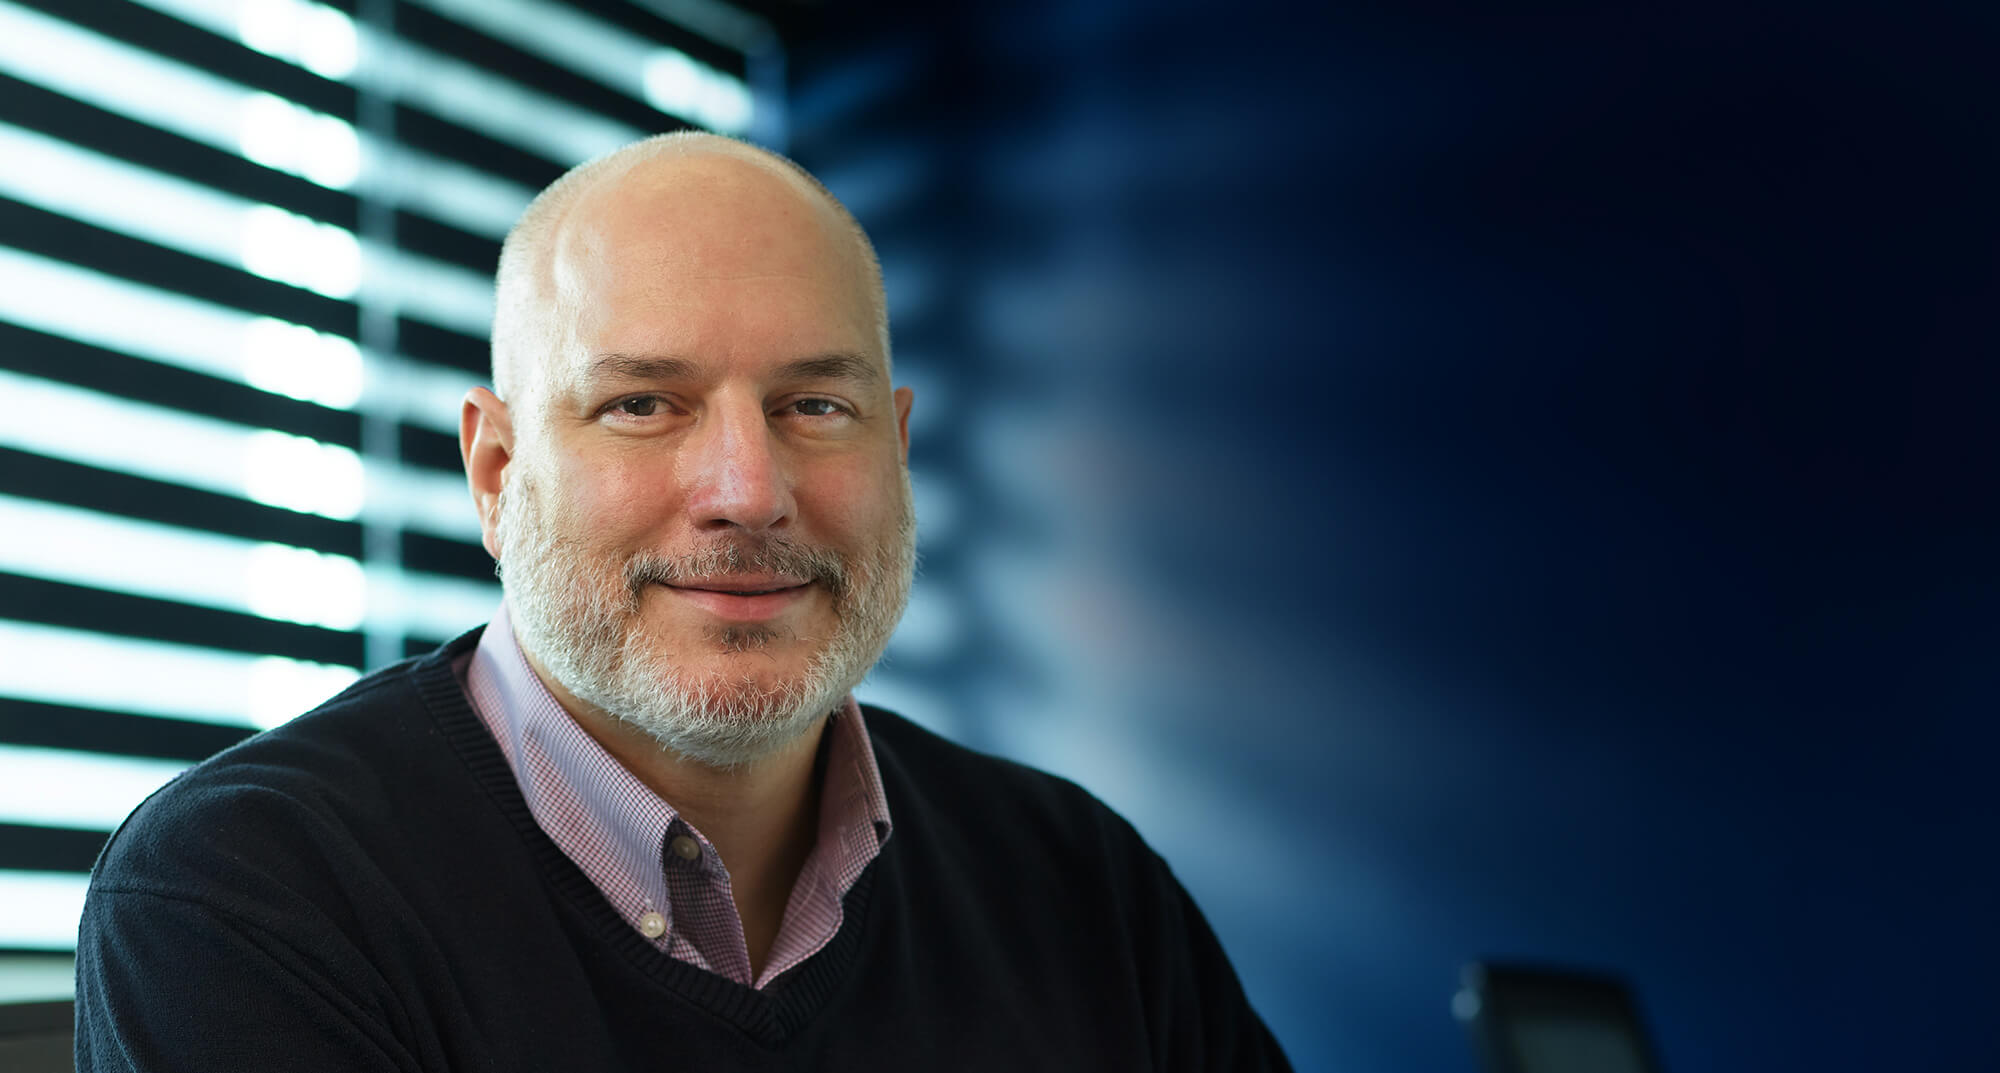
1474 483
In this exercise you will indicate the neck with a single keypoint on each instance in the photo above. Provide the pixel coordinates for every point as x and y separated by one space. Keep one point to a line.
762 819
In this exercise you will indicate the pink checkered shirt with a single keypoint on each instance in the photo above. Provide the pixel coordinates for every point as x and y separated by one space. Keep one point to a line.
633 845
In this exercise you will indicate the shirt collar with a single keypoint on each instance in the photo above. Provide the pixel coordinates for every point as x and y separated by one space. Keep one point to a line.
608 821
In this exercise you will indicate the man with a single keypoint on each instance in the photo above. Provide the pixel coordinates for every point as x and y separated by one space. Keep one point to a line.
638 821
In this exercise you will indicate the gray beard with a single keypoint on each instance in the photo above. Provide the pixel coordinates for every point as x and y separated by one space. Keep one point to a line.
582 619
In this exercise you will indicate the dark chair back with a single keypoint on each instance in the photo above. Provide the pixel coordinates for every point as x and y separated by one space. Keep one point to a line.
37 1037
1547 1020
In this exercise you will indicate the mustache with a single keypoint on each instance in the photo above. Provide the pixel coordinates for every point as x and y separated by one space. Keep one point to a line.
738 556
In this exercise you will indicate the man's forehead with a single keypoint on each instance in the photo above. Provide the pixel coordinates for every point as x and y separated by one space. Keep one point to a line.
703 249
693 206
699 216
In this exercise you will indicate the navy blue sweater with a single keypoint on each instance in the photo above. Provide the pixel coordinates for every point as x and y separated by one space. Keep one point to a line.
364 889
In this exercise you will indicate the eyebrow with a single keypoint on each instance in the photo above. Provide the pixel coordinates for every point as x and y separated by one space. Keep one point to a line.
628 367
850 367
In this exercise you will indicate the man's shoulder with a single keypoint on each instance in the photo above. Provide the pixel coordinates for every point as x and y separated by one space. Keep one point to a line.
304 788
923 757
964 794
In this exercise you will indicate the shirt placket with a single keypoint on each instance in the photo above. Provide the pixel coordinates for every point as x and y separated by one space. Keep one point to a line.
704 909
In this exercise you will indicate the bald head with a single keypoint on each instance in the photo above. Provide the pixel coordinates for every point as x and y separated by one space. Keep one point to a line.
697 203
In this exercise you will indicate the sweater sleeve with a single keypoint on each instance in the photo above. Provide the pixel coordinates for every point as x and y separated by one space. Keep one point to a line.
165 983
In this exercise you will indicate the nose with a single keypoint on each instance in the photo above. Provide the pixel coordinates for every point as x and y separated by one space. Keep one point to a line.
734 473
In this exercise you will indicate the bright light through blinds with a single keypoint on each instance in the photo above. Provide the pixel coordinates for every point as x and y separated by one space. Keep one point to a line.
255 125
105 430
276 581
299 363
264 239
110 193
197 105
666 78
159 678
314 36
162 326
263 352
269 580
321 39
78 790
326 42
430 605
42 909
261 465
675 82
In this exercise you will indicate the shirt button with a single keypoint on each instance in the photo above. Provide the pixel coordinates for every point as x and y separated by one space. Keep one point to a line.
685 848
652 925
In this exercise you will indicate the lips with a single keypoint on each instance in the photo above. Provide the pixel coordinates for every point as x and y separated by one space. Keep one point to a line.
744 599
744 586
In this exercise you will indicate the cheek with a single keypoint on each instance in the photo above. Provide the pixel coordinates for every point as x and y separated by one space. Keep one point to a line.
614 502
853 508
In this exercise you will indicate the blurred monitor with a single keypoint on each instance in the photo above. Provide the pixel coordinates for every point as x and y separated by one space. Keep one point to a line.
1546 1020
36 1037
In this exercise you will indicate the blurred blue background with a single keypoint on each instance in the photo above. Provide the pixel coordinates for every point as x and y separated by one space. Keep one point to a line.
1483 481
1465 481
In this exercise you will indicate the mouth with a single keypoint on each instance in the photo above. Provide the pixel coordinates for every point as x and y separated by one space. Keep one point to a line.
743 584
744 598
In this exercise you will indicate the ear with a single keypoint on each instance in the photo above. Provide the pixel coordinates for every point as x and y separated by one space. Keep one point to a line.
904 396
486 443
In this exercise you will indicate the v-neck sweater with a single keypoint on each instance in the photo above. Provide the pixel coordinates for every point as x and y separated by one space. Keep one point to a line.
364 888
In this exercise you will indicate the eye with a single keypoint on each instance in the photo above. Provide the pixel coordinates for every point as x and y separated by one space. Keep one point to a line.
638 406
817 408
